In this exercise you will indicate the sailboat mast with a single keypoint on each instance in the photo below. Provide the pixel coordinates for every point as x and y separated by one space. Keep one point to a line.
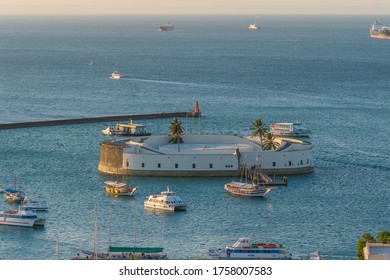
95 235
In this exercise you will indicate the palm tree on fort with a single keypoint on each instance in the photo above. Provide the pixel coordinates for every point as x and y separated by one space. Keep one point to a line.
258 129
176 131
269 143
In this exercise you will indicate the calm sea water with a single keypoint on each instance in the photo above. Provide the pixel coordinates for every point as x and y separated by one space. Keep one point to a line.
323 71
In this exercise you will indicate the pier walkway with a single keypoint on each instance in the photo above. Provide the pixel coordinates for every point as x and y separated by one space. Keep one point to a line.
98 119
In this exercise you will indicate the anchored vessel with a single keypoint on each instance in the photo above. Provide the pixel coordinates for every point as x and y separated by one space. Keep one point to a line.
166 27
253 26
14 196
119 189
379 31
23 217
295 129
167 200
126 129
245 249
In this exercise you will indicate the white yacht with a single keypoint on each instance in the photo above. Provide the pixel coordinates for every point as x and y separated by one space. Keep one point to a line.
295 129
23 217
245 249
167 200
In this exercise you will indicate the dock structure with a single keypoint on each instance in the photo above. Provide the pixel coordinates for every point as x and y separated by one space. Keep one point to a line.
98 119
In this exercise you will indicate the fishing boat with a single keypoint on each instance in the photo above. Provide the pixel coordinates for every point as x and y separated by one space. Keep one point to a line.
295 129
14 196
167 200
251 184
23 217
116 75
126 129
119 189
244 249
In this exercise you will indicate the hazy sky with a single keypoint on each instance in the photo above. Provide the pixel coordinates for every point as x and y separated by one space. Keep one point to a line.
253 7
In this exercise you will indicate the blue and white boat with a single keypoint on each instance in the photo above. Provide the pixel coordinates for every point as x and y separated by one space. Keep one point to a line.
23 217
244 249
295 129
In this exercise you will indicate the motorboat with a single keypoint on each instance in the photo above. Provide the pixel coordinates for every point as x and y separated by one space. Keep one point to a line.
116 188
116 75
167 200
34 205
244 249
126 129
23 217
295 129
14 196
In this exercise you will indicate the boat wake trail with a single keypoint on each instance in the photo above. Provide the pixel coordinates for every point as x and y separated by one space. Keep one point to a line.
171 82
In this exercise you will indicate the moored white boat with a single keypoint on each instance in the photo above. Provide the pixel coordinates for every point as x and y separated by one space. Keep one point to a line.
34 205
253 26
126 129
295 129
245 249
118 188
23 217
167 200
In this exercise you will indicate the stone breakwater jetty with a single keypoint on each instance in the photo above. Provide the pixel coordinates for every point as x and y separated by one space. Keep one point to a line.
98 119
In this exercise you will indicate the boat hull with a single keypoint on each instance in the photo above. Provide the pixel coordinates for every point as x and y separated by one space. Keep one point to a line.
159 206
22 222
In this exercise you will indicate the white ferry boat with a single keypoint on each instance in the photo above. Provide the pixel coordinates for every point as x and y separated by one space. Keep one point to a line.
23 217
167 200
126 129
244 249
116 75
379 31
119 189
202 155
295 129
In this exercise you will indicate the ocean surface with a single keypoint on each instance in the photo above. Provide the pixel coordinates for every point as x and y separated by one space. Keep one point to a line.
324 71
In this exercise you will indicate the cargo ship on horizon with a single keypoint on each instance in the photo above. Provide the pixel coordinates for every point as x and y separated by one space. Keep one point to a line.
378 31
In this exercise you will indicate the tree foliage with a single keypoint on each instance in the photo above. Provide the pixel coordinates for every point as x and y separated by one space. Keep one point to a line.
176 131
383 236
269 142
366 237
258 129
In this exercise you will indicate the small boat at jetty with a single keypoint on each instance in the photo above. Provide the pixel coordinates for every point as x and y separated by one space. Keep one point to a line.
295 129
116 75
167 200
14 196
126 129
244 249
253 26
23 217
119 189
